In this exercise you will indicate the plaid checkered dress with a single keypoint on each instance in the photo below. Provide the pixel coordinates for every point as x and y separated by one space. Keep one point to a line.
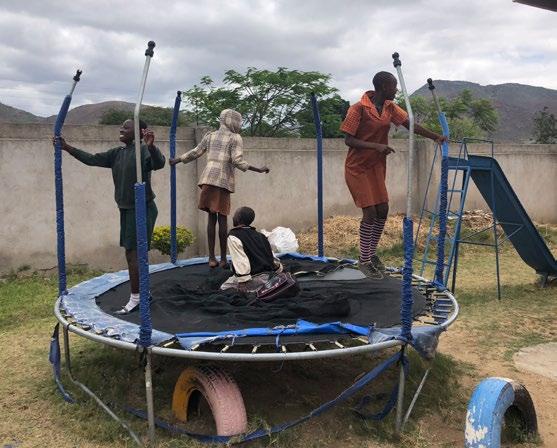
224 150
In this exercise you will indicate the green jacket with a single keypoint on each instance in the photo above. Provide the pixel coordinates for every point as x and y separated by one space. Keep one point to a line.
122 162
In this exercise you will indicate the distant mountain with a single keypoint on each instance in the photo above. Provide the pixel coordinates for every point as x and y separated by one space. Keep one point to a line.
92 113
515 103
86 114
9 114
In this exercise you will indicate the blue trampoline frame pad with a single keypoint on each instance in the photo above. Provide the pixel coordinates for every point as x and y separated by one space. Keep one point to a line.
78 311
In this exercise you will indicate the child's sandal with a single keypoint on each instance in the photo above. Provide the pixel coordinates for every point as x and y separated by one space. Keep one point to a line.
223 264
213 263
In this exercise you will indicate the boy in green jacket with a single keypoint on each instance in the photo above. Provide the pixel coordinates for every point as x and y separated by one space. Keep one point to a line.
121 160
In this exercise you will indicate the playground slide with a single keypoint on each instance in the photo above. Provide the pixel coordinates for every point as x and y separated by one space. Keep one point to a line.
509 212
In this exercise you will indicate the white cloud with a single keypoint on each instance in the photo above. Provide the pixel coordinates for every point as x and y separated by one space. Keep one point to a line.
489 42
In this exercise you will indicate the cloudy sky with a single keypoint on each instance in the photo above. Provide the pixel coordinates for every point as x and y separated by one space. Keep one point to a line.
43 42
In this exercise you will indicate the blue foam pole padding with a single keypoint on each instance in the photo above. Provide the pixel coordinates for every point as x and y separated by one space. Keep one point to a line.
445 128
440 265
59 186
146 326
407 300
439 277
172 141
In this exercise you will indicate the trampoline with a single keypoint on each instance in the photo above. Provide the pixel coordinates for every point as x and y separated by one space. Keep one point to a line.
337 312
183 314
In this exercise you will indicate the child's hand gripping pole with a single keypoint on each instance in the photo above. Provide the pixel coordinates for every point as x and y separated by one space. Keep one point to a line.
441 117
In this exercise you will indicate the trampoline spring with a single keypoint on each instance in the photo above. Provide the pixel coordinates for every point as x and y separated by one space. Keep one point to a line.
283 348
312 347
430 322
225 348
362 339
194 347
338 344
255 348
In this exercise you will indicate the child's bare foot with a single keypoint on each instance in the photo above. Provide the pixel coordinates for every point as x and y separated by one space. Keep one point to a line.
213 263
223 264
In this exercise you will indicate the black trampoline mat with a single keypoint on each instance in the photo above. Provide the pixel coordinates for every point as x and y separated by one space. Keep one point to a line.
187 299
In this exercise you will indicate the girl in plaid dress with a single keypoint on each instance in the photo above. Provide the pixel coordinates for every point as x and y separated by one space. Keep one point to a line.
224 153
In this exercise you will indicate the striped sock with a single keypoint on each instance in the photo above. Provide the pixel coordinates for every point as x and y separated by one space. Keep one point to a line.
376 232
365 241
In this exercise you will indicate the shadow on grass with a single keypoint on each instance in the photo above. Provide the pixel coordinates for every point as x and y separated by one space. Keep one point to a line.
272 392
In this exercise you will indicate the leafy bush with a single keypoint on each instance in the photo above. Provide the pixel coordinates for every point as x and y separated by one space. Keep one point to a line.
161 239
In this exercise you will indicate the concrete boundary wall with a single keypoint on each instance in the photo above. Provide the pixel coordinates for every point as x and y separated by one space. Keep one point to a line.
286 196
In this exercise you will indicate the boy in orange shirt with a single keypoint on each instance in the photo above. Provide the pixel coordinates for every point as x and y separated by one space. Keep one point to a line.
367 126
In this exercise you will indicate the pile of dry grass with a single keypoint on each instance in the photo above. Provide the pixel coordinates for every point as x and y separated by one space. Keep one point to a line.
342 235
341 232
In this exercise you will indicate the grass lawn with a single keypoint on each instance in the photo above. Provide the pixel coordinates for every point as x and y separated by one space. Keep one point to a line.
481 343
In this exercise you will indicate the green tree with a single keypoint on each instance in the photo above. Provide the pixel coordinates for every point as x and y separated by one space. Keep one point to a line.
467 116
271 102
332 111
545 127
152 115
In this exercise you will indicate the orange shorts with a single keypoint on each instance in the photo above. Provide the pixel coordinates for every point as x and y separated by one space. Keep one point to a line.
367 185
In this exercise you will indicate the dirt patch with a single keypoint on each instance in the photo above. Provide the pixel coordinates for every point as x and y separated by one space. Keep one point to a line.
463 344
540 359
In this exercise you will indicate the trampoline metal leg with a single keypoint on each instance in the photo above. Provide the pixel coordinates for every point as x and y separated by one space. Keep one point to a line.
497 259
543 280
400 398
67 351
91 393
413 402
149 397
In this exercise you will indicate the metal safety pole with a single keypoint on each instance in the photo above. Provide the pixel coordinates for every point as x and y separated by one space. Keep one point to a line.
411 149
149 395
148 55
59 187
407 300
142 252
443 188
172 144
319 141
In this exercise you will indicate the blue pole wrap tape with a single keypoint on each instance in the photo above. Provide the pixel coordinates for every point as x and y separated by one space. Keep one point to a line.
146 326
172 141
445 128
59 186
407 300
439 278
440 266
